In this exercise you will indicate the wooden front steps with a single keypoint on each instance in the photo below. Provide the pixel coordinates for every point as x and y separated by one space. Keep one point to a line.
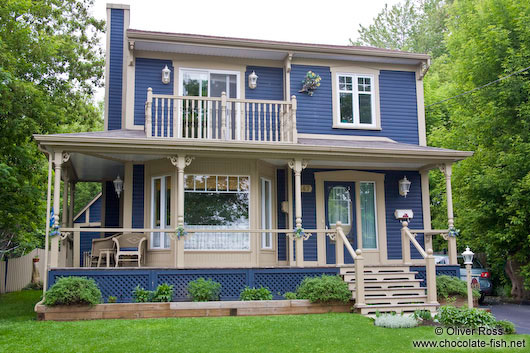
389 289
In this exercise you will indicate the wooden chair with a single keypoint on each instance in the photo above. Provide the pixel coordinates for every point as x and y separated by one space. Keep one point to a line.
99 244
129 247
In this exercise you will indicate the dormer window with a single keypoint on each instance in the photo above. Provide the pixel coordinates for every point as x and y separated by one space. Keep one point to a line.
356 106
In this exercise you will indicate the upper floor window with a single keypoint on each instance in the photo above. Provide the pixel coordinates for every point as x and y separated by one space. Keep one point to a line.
356 101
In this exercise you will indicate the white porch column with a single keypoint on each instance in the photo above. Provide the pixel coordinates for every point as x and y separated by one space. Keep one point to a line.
72 204
451 241
180 162
58 162
290 224
426 206
127 194
297 165
64 220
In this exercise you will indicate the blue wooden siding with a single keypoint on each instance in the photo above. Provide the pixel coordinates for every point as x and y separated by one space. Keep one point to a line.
138 196
270 83
112 206
85 238
95 211
148 73
399 118
115 69
281 195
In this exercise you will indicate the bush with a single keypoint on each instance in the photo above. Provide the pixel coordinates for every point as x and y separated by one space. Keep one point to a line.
33 286
290 296
464 317
507 327
202 290
73 291
395 321
163 293
112 299
424 315
324 289
141 295
447 286
255 294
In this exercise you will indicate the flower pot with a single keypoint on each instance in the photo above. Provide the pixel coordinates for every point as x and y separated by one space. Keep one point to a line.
36 259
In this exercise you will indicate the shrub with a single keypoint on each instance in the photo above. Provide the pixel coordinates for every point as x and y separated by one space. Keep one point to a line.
202 290
73 291
112 299
33 286
507 327
395 321
255 294
324 289
451 316
423 315
447 286
142 295
163 293
290 296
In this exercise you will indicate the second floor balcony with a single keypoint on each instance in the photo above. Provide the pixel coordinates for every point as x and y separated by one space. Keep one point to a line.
220 118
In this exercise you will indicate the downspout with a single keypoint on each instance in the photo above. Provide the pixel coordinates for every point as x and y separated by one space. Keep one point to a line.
46 246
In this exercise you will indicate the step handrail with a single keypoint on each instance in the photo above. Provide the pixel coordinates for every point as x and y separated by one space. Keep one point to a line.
358 262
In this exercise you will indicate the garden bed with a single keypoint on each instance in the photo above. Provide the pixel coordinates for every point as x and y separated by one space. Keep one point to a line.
187 309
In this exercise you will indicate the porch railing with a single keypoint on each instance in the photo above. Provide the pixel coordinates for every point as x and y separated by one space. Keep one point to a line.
220 118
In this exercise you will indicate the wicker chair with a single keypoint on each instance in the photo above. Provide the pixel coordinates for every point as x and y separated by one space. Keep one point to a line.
99 244
129 248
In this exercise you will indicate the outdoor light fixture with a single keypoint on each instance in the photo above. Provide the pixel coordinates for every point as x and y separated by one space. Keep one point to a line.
404 186
468 261
252 80
166 75
118 185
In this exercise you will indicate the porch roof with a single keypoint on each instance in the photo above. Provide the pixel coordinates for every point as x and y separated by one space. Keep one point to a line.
93 151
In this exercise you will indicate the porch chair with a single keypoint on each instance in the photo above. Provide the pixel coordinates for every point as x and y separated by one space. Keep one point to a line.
99 244
129 248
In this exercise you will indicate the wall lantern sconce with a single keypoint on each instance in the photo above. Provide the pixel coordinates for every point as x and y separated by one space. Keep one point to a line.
118 185
252 80
166 78
404 186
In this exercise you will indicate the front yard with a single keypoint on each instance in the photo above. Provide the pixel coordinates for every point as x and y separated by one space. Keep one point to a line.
19 332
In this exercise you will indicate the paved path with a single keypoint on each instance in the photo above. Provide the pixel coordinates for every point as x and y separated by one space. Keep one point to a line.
518 314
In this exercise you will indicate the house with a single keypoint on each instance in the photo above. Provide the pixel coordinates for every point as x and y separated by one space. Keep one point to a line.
215 154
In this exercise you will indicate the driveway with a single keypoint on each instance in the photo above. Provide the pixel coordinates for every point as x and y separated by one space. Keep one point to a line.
518 314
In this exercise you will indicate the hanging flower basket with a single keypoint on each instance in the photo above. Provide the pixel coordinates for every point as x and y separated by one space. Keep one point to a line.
453 232
310 83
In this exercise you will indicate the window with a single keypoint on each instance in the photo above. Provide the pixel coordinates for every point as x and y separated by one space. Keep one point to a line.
160 211
217 202
266 213
339 205
356 101
368 215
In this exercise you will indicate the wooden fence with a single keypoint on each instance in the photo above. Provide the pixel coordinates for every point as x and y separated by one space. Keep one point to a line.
15 273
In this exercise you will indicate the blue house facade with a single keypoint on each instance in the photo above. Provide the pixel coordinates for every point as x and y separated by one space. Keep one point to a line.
229 153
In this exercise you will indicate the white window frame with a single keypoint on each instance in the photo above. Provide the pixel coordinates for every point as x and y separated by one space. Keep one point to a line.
266 235
209 72
163 220
337 123
375 213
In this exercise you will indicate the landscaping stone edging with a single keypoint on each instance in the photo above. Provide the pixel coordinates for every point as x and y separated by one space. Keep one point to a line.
187 309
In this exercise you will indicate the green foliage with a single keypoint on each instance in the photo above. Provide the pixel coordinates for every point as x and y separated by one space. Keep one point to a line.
324 289
33 286
395 321
111 299
423 315
261 293
202 290
142 295
508 328
447 286
50 64
73 291
290 296
163 293
464 317
84 193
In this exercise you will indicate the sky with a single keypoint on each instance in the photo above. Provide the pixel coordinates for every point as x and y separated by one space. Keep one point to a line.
309 21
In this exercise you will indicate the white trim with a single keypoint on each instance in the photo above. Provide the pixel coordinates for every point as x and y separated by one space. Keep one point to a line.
346 137
163 221
337 123
374 183
266 190
88 206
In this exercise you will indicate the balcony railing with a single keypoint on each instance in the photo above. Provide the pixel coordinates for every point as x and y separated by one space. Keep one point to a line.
220 118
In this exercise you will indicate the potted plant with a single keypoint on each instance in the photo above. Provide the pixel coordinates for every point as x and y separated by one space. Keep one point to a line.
36 259
310 83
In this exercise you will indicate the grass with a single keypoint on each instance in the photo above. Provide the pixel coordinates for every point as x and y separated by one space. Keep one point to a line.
19 332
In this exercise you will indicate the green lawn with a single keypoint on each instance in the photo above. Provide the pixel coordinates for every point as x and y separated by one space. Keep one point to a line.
19 332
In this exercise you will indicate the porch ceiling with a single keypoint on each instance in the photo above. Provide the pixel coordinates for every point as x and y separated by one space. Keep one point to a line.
91 168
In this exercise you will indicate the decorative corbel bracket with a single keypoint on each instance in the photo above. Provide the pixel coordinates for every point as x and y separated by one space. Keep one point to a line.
66 157
131 53
180 162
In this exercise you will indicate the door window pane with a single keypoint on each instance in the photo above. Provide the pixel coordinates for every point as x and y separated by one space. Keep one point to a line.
266 213
161 211
195 83
368 221
339 205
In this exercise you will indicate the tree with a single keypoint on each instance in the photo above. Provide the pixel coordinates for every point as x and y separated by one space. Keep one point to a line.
414 25
50 64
